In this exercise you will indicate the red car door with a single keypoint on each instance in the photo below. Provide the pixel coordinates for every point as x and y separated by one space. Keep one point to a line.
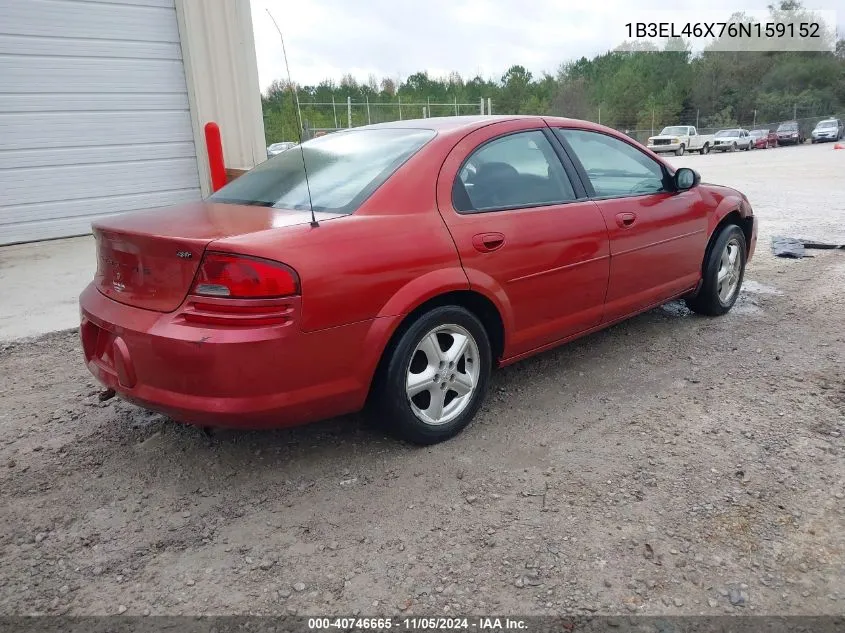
657 235
525 231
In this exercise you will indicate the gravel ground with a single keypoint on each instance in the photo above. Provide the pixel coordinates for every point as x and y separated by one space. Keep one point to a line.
670 465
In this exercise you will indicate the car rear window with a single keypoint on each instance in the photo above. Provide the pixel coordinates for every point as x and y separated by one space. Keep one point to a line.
344 169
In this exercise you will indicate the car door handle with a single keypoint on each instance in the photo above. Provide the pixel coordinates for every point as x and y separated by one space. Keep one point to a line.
486 242
624 220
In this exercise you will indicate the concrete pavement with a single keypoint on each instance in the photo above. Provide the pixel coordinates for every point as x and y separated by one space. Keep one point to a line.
40 284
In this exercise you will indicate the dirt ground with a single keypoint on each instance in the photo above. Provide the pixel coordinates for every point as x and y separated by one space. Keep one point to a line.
670 465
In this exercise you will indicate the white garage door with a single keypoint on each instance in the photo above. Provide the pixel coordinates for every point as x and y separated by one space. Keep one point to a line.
94 116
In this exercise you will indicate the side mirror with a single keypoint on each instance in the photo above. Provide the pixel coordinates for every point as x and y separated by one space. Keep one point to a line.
686 178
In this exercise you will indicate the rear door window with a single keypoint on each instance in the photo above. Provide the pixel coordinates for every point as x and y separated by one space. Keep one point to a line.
514 171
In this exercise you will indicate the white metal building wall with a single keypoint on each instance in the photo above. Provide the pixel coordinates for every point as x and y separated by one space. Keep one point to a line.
94 114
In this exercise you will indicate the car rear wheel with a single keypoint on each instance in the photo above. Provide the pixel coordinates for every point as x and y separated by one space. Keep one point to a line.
435 377
705 149
722 275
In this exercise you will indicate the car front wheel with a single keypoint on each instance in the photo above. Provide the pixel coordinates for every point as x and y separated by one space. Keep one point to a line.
680 150
722 274
435 376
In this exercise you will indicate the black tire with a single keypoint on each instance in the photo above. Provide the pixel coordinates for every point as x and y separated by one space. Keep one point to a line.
707 302
705 149
680 150
733 147
391 407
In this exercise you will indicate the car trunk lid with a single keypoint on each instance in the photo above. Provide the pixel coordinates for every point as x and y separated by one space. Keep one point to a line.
148 259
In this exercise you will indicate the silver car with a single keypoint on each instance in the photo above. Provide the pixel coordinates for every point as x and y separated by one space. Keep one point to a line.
827 130
732 140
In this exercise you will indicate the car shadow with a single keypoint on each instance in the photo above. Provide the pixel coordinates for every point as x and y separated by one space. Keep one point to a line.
325 439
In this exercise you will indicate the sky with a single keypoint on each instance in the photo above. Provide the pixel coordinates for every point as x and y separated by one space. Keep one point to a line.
326 39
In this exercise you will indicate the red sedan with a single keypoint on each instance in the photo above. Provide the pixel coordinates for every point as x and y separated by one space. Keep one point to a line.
764 139
439 249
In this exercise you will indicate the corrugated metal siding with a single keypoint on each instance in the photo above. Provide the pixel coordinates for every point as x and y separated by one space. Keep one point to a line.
94 115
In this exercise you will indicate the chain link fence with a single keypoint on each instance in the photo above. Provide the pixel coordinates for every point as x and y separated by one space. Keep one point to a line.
342 115
320 118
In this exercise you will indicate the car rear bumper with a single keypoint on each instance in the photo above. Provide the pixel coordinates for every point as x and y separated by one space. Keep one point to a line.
249 377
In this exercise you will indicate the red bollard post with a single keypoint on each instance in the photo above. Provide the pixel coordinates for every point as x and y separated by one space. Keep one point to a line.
214 145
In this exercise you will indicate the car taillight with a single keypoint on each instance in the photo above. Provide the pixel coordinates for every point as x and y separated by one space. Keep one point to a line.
243 277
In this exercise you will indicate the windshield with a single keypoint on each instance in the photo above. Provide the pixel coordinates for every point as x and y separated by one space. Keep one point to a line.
759 132
788 127
826 124
723 133
673 131
344 168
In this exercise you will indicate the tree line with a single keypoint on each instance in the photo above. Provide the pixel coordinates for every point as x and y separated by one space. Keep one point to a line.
633 89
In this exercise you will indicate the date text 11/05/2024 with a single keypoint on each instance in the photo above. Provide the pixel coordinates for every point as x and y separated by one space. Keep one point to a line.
670 30
418 624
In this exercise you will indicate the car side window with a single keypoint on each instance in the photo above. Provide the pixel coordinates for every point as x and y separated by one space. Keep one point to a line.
615 168
511 172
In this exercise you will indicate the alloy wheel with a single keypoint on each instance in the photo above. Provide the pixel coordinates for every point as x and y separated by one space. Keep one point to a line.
730 269
443 374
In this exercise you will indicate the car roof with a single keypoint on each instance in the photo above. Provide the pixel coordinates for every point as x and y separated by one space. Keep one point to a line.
448 125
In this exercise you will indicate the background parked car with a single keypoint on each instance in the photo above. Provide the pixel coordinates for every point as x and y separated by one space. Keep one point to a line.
763 139
278 148
732 140
827 130
789 133
680 139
